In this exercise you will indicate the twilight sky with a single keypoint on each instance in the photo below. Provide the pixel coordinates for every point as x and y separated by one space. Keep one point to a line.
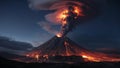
20 23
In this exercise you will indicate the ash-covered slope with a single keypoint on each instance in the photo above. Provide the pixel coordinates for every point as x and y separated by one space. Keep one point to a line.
65 47
59 46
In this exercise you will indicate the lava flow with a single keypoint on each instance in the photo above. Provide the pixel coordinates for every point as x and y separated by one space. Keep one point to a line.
64 47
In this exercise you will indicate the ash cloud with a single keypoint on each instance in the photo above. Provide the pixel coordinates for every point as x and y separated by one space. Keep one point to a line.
55 4
88 9
48 27
41 5
7 43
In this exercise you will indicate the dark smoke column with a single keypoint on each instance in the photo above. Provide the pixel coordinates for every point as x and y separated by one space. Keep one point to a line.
70 21
68 13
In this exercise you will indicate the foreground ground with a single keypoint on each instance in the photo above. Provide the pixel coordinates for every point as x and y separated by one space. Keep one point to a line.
13 64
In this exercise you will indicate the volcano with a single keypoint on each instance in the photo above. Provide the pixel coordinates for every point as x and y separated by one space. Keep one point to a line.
66 48
59 46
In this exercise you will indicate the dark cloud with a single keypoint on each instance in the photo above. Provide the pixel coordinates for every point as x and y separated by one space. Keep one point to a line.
88 10
96 41
14 45
114 2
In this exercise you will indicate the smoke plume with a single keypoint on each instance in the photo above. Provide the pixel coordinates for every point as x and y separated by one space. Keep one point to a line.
48 27
83 6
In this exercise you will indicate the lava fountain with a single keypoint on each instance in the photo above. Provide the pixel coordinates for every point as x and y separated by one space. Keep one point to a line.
68 19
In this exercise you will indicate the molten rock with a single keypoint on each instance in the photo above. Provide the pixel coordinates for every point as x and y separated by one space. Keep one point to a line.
64 47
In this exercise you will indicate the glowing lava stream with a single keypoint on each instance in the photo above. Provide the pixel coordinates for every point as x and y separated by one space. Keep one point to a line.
100 57
89 58
67 48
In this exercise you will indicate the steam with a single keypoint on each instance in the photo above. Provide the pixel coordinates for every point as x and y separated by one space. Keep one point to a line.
41 5
55 4
48 27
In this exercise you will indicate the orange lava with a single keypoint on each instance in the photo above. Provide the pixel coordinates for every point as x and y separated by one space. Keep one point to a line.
64 14
67 48
59 35
99 57
88 56
70 50
37 57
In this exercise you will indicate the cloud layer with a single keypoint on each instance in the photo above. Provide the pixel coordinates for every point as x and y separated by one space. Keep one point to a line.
14 45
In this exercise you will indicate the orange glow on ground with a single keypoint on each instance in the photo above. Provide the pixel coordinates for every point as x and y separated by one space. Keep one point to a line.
45 56
70 50
89 58
100 57
67 48
84 56
37 57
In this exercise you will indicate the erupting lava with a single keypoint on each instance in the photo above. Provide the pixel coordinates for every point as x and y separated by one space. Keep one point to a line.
59 35
68 12
68 18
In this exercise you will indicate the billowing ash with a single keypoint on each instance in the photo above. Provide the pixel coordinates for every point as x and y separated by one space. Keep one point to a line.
68 13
